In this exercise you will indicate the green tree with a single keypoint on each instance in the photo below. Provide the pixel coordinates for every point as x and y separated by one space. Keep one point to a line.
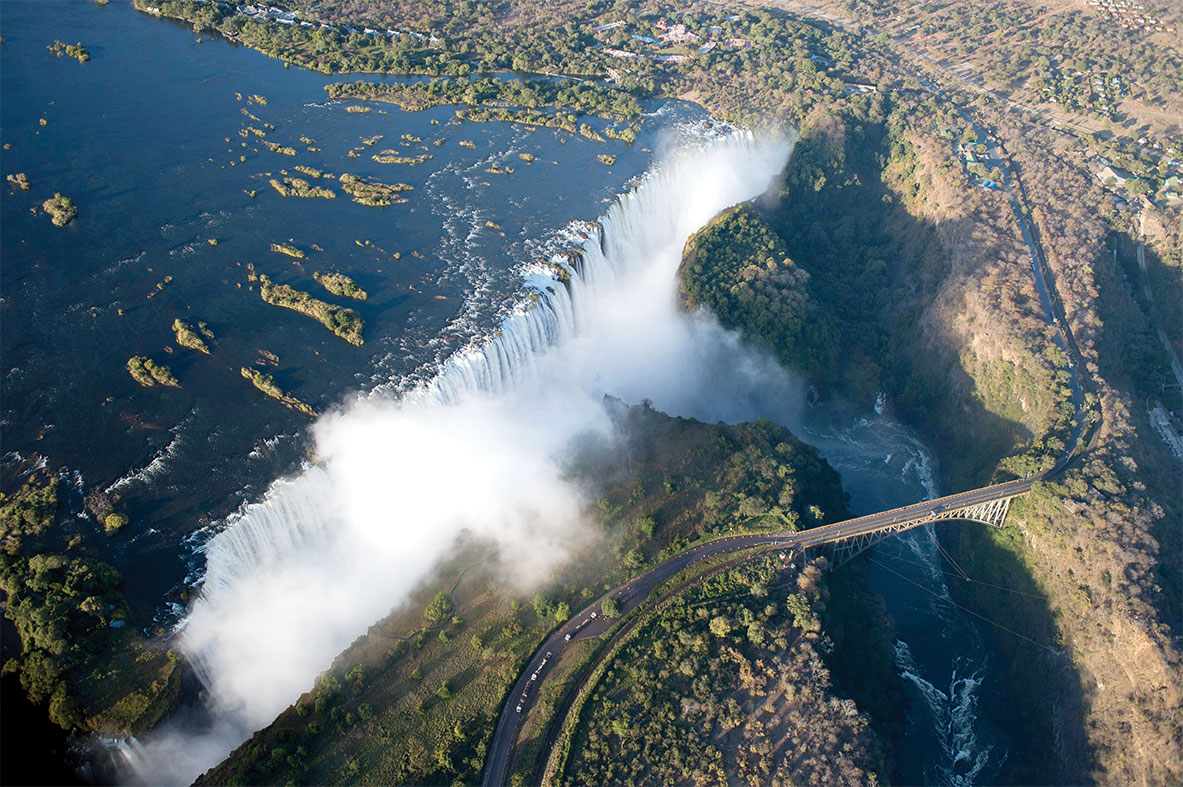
562 611
439 607
610 607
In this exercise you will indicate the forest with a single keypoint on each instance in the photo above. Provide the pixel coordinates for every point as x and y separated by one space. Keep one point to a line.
728 681
77 658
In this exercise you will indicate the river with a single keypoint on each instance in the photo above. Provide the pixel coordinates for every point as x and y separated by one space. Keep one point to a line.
151 139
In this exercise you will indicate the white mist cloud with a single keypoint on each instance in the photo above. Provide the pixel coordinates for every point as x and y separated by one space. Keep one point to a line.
297 577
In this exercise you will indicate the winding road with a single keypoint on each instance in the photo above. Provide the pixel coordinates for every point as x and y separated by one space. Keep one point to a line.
589 622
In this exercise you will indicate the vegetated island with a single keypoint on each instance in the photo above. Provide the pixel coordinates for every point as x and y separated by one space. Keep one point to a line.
345 323
394 157
76 51
61 208
20 179
149 374
77 652
340 284
275 147
298 187
266 384
291 251
373 193
190 338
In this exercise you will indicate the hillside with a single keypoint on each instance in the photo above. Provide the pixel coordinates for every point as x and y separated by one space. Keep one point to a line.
930 292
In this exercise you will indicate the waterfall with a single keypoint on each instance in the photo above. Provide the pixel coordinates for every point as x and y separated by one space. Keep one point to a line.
292 579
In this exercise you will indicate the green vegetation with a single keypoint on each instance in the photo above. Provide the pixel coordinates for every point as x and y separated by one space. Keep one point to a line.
275 147
610 607
113 523
20 180
345 323
190 338
340 284
381 714
777 69
291 251
311 172
727 680
76 51
266 384
371 192
69 613
739 268
393 157
61 209
569 95
439 608
148 373
627 134
298 187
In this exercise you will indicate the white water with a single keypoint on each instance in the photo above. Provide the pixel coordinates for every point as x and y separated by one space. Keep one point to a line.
937 654
293 579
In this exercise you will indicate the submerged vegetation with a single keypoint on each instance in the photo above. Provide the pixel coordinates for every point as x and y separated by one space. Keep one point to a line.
148 373
190 338
266 384
345 323
61 209
340 284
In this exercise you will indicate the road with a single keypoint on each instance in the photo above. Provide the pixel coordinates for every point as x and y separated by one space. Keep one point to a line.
588 623
583 625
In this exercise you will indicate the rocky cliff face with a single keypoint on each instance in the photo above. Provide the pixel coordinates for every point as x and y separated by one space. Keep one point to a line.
928 288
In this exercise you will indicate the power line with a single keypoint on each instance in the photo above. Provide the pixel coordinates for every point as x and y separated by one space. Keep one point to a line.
949 557
964 576
966 609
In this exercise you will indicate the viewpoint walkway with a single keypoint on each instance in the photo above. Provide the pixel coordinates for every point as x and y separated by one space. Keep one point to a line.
988 505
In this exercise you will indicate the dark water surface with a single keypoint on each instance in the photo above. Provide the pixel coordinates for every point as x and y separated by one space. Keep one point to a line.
145 139
958 731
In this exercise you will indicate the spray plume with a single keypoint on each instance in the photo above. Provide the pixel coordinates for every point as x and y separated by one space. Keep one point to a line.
293 579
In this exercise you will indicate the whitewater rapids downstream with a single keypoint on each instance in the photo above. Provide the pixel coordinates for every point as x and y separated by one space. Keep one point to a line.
293 579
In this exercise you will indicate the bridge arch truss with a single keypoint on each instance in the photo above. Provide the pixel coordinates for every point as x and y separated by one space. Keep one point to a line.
992 513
